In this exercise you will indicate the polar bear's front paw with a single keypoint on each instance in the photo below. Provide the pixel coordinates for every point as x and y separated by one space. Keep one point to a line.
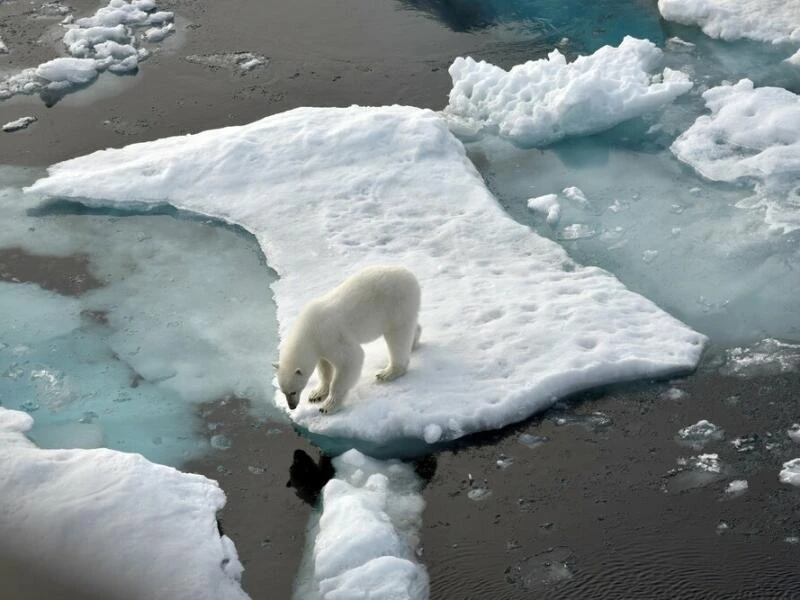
390 373
329 406
318 395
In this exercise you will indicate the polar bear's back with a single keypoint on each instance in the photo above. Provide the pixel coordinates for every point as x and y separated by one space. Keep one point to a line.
373 301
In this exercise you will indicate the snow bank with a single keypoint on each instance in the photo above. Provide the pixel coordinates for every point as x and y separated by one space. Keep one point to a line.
113 522
367 535
773 21
752 134
542 101
107 40
510 322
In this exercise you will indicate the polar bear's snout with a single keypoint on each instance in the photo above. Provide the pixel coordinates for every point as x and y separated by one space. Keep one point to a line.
291 399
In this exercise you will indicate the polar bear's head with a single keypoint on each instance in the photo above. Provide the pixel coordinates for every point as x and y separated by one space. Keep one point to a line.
292 380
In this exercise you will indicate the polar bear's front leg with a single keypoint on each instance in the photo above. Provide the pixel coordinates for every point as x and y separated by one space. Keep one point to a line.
346 372
325 370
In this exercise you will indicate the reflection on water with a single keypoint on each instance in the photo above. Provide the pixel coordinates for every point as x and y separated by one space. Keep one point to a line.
588 25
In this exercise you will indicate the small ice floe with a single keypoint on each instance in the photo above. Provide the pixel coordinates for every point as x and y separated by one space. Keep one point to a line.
767 357
649 256
576 195
698 435
3 47
577 231
673 393
235 61
479 493
694 472
792 539
791 472
542 570
794 433
745 443
722 527
17 124
593 421
220 442
737 487
677 44
504 462
547 204
532 441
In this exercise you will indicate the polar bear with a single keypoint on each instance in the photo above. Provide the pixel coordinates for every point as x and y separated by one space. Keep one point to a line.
328 333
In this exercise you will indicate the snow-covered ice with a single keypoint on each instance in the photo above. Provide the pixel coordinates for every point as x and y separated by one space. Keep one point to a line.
790 473
510 323
753 135
365 541
775 21
112 522
542 101
737 487
106 41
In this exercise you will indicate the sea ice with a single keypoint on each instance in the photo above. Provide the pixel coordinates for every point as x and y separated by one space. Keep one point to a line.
510 323
737 487
542 101
775 21
547 204
104 41
366 538
791 472
18 124
794 432
752 134
111 522
700 434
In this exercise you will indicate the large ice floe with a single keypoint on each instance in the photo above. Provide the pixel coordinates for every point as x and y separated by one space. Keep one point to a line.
510 322
110 40
367 535
752 135
111 524
542 101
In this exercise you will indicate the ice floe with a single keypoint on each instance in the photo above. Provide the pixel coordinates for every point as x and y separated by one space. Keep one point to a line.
737 487
542 101
794 433
367 535
113 523
110 40
751 135
791 472
775 21
17 124
700 434
510 323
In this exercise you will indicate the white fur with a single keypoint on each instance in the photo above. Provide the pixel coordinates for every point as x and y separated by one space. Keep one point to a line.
329 331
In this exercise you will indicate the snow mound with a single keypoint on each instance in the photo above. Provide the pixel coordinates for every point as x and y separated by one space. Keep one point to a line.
773 21
113 522
752 134
367 535
510 322
542 101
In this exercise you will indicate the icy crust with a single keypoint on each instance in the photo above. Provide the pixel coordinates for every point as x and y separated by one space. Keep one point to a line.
367 535
67 508
542 101
510 322
773 21
752 134
106 41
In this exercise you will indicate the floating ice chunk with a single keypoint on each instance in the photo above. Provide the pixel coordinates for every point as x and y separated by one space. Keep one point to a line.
507 335
17 124
367 535
674 393
540 102
767 357
171 550
532 441
737 487
157 34
547 204
700 434
67 71
3 47
791 472
794 433
241 61
773 21
694 472
751 134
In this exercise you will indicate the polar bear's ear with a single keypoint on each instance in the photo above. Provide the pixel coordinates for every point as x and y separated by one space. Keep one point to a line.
298 372
275 364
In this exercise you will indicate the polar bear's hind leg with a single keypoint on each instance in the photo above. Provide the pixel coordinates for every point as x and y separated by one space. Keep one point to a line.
400 344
